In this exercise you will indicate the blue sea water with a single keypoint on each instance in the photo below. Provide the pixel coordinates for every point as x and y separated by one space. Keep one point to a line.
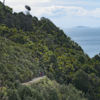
87 38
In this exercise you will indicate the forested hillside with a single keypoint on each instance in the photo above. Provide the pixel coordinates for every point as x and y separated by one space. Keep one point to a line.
29 46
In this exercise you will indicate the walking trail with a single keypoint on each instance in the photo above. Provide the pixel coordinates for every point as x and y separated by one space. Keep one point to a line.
35 80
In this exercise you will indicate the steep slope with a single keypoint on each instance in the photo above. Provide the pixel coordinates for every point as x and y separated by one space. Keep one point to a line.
16 63
29 46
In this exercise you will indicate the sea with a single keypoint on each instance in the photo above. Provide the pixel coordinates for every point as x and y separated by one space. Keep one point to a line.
88 38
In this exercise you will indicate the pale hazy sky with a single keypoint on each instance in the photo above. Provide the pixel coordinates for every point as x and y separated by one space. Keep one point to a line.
64 13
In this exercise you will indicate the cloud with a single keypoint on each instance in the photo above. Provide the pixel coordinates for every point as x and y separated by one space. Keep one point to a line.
26 1
58 10
18 5
55 8
66 11
95 13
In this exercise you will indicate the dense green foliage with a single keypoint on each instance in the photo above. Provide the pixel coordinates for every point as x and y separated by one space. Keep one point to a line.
29 46
46 90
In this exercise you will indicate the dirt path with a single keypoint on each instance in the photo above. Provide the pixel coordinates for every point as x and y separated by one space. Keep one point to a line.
34 80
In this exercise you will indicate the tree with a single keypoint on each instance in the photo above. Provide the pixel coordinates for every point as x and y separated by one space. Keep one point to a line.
28 9
81 80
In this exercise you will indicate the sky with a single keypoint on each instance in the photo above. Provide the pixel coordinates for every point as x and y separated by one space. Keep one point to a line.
64 13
